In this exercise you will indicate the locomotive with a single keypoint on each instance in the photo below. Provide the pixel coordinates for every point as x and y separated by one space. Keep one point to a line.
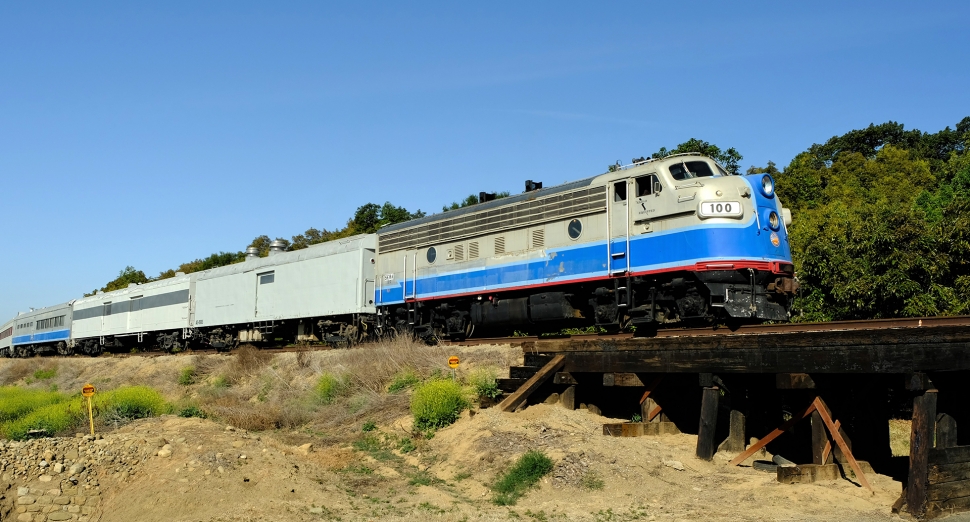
675 240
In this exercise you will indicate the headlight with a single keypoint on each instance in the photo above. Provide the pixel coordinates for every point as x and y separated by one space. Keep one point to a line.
773 220
767 186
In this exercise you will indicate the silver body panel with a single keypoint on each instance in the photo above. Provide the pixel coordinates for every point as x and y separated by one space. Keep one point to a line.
157 306
328 279
44 326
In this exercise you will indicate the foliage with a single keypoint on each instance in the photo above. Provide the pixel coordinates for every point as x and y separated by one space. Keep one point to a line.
881 223
187 376
127 276
592 480
402 381
436 404
524 474
729 158
483 380
328 387
369 426
28 410
192 411
16 402
42 375
472 199
221 382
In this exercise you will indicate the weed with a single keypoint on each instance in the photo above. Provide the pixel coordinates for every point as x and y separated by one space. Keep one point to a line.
369 426
16 402
423 478
187 376
303 358
431 507
359 468
483 380
436 404
220 382
406 445
402 381
375 446
538 517
591 480
328 387
131 402
462 476
524 474
42 375
192 411
636 418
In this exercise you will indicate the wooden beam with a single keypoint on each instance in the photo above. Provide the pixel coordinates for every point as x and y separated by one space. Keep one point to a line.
735 439
519 396
752 449
820 441
946 431
794 381
920 444
708 423
823 410
653 413
621 379
890 351
567 399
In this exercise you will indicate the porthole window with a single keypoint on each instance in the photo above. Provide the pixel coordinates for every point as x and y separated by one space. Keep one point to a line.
575 229
432 255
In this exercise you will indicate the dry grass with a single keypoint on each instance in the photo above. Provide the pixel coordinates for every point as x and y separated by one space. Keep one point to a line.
899 437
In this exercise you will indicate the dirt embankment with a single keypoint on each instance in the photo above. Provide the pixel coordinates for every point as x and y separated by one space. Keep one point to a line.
327 468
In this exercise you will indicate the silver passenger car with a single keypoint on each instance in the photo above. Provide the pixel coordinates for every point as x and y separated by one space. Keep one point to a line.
321 293
45 330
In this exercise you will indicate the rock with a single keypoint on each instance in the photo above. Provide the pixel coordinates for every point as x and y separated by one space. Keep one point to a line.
23 491
305 449
45 478
316 511
25 517
238 444
164 453
75 469
594 409
43 464
58 468
553 398
25 500
676 464
59 515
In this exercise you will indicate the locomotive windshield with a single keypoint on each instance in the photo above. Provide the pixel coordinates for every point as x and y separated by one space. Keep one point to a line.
691 169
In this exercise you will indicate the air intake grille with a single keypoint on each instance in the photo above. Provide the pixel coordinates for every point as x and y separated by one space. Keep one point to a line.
459 252
538 238
499 245
551 208
473 250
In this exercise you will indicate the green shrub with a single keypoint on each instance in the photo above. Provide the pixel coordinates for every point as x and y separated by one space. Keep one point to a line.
192 411
16 402
53 419
436 404
484 382
369 426
220 382
524 474
49 373
187 376
328 388
403 381
131 402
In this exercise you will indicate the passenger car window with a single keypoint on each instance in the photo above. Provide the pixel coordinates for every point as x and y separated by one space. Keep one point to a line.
267 278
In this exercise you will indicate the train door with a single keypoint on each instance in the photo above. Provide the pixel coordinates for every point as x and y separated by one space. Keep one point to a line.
105 314
619 224
265 294
651 201
134 314
411 274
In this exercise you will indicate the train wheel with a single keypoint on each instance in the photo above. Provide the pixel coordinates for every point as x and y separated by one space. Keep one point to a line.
64 349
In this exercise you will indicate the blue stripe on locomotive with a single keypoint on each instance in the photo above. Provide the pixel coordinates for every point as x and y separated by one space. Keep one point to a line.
657 251
57 335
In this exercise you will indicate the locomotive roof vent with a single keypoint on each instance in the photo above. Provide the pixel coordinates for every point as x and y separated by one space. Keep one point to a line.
532 185
252 252
276 247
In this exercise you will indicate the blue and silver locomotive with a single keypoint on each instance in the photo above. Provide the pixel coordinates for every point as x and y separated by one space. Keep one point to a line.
674 240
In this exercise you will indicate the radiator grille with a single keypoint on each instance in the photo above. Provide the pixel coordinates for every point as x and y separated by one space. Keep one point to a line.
473 250
459 252
499 245
551 208
538 238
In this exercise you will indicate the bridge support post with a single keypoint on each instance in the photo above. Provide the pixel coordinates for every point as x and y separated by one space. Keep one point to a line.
708 422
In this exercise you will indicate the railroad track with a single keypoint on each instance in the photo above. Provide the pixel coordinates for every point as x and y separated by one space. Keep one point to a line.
765 329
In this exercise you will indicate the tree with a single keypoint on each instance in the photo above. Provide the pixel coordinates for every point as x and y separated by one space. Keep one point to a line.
730 158
127 276
471 199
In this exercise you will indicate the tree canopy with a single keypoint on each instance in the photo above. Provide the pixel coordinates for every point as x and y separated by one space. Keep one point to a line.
729 158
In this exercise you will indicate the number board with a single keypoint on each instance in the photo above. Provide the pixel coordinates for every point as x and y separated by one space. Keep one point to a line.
721 209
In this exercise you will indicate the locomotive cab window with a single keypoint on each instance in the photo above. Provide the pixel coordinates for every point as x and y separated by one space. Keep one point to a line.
647 185
267 278
690 169
619 191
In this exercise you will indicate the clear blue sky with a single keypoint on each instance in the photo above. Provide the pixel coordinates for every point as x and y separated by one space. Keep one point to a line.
151 135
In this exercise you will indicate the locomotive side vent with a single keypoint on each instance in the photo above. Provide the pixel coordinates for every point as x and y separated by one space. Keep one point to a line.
459 252
553 207
473 250
538 238
499 245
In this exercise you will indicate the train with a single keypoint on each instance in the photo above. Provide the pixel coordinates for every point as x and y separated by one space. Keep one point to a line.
669 241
